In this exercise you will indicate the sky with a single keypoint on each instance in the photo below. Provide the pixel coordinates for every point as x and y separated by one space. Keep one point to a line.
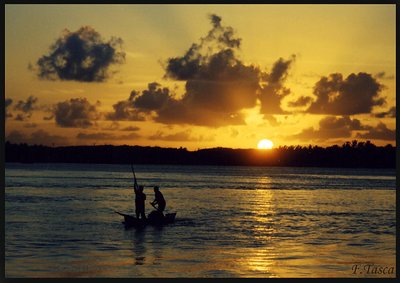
200 76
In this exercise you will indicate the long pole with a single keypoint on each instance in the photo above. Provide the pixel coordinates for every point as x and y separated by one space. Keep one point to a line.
134 176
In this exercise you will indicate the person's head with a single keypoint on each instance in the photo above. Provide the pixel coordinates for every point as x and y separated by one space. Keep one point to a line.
156 188
141 188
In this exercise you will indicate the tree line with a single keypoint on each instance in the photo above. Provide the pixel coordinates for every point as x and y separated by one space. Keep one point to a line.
350 154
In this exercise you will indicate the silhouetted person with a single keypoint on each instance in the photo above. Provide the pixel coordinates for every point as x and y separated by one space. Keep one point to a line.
140 198
159 199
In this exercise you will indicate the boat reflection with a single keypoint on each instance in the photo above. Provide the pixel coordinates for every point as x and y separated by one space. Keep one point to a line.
139 247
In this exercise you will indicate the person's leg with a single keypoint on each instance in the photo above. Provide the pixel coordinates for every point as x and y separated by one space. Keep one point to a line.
143 214
161 207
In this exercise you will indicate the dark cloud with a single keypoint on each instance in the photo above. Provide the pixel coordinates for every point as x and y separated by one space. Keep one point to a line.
391 113
185 135
219 39
25 108
332 123
7 103
75 113
331 127
115 126
125 110
22 117
223 35
169 110
383 76
151 99
177 112
218 85
356 94
38 137
105 136
272 89
300 102
81 56
380 132
131 129
223 85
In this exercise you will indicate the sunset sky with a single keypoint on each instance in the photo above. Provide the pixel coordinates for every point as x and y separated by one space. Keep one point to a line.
200 76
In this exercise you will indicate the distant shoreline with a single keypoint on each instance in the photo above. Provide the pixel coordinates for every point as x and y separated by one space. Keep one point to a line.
349 155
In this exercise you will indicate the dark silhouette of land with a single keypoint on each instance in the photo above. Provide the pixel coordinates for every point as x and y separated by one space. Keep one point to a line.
350 154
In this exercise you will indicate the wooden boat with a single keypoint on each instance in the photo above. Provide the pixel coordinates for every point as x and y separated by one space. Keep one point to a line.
155 218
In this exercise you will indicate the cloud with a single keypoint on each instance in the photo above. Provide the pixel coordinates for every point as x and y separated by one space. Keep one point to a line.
151 99
75 113
115 126
130 129
331 127
356 94
332 122
273 89
80 56
218 39
383 76
38 137
125 110
25 108
218 86
16 137
380 132
22 117
391 113
7 103
301 101
105 136
179 136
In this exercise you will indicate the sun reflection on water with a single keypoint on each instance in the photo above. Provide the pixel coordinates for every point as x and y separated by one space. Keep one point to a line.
258 260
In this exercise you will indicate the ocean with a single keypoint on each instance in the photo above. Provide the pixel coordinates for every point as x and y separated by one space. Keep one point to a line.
230 222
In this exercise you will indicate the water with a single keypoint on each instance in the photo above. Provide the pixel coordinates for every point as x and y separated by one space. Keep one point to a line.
231 222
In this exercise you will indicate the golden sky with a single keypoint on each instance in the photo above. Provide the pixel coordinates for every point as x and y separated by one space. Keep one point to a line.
200 76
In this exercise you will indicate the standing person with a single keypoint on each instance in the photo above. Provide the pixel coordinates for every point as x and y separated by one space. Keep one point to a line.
140 198
159 199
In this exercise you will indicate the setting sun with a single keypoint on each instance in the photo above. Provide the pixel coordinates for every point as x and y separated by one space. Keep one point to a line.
265 144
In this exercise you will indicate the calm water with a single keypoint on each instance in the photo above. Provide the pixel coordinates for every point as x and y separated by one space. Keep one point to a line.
231 221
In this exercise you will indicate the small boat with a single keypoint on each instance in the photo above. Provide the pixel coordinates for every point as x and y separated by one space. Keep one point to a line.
155 218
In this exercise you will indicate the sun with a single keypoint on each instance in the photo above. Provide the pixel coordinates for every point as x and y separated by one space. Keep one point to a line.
265 144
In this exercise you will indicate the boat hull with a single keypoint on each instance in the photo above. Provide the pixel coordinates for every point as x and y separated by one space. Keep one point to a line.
131 221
